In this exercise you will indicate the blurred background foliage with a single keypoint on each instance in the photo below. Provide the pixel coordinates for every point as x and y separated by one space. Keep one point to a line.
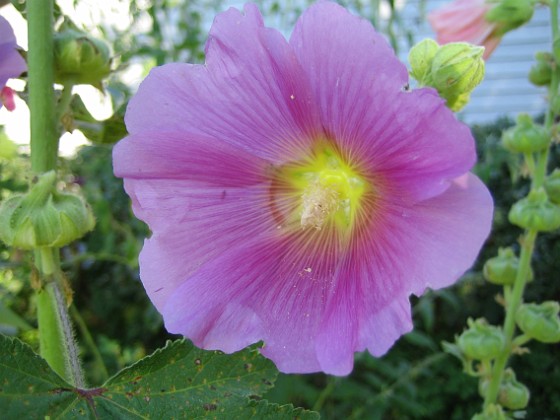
116 324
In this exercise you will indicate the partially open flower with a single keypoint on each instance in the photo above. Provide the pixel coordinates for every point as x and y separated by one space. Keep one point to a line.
11 63
297 192
481 22
464 21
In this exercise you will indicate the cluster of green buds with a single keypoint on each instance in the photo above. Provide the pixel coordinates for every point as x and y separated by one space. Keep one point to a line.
453 69
44 217
80 58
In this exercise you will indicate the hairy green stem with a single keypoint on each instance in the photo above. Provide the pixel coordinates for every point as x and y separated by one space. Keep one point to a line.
56 337
512 305
50 335
90 342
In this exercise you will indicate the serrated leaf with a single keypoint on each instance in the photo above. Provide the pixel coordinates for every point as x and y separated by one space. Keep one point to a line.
29 388
178 381
190 379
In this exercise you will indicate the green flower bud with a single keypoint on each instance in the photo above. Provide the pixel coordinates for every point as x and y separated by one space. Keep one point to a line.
503 268
526 136
510 14
552 186
44 217
457 68
535 212
513 395
420 58
491 412
481 341
80 58
540 321
541 72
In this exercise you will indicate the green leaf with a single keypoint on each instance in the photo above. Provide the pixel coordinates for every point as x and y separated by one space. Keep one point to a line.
178 381
29 388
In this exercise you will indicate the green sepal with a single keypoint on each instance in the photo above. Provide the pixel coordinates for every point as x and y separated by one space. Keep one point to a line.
535 212
44 217
540 321
481 341
526 136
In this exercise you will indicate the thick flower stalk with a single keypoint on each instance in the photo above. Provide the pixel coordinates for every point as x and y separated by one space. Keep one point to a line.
11 63
297 191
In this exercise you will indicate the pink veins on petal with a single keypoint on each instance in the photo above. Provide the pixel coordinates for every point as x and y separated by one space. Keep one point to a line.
296 193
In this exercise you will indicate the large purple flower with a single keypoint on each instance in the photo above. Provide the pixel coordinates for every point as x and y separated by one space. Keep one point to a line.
297 192
11 63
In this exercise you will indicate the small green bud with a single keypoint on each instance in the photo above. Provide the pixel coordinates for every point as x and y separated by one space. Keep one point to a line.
510 14
540 321
80 58
552 186
457 68
420 58
481 341
526 136
503 268
513 395
535 212
44 217
491 412
540 73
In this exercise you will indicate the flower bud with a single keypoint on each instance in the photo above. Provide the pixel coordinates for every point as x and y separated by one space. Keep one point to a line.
540 73
552 186
510 14
540 321
526 136
491 412
44 217
535 212
481 341
503 268
420 58
457 68
80 58
513 395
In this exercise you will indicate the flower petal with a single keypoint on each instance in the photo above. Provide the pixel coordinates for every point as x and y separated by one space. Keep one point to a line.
358 81
198 159
429 244
278 287
347 62
422 148
251 92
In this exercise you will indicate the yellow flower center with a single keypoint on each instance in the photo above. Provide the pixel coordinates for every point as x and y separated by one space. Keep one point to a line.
325 188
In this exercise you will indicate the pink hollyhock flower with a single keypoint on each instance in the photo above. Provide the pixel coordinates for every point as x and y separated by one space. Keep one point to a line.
297 192
11 63
464 21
